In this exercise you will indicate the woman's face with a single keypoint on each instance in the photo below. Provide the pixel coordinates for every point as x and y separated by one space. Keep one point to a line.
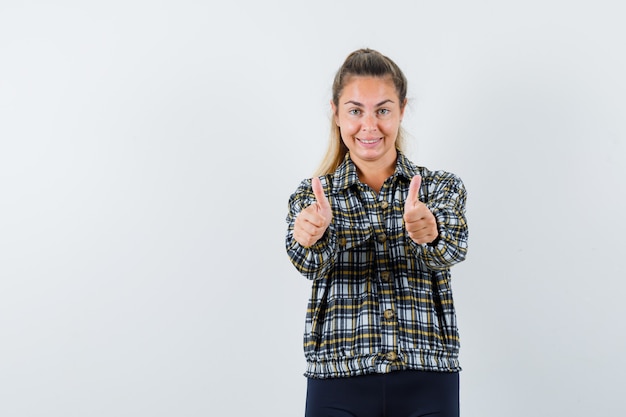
369 115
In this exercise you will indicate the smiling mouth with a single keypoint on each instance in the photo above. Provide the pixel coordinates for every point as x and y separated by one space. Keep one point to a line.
369 141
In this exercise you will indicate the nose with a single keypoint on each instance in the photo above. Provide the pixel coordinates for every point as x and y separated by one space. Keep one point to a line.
369 123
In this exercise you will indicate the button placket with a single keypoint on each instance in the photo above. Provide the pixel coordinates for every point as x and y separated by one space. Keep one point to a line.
389 328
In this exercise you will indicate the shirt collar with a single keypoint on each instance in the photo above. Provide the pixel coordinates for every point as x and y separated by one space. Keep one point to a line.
405 168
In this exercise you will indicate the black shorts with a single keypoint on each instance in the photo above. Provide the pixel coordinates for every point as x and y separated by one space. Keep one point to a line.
396 394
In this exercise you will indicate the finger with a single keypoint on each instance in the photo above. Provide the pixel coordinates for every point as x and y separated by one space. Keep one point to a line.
311 215
318 191
414 188
423 237
308 228
303 237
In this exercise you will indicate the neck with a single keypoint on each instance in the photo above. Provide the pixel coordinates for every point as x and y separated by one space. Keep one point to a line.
375 173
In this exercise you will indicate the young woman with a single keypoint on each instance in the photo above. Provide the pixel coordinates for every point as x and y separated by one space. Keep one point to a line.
377 236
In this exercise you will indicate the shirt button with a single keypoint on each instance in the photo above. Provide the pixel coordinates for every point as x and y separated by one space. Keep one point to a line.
342 241
384 205
391 356
389 314
385 276
381 238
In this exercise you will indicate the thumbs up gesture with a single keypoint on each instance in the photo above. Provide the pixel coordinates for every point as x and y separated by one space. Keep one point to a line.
312 222
420 223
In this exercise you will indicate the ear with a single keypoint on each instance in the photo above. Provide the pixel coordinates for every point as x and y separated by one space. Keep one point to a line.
334 110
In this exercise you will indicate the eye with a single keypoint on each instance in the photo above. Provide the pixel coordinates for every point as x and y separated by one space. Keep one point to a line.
383 111
354 112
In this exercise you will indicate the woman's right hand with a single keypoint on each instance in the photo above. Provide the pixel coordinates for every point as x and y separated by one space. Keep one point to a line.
312 222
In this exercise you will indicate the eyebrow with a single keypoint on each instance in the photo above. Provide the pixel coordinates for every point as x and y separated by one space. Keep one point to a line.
356 103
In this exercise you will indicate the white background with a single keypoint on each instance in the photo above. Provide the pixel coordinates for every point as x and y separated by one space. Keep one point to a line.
148 149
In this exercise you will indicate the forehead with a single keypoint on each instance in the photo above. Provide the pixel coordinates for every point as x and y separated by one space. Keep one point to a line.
366 89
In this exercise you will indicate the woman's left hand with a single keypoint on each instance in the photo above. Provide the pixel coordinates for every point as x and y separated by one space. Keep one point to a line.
420 223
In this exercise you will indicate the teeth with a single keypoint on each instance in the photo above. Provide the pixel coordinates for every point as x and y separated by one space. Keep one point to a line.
369 141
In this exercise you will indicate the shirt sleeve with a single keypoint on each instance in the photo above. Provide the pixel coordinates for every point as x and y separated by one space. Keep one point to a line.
316 261
445 196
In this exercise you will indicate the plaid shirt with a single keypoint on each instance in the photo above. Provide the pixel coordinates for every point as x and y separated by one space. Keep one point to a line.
380 302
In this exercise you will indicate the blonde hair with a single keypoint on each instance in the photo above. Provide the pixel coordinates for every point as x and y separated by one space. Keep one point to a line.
362 62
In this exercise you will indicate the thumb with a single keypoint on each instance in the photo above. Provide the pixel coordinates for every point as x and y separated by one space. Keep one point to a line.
414 187
318 191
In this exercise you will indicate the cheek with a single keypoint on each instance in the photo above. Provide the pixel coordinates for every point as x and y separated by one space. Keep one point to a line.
345 134
390 126
348 127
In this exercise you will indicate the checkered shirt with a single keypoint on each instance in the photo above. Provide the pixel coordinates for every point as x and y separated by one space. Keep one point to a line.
380 302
